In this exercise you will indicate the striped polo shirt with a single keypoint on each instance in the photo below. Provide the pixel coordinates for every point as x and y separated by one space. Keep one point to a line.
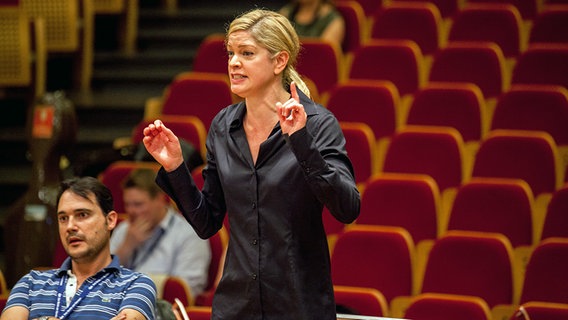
101 296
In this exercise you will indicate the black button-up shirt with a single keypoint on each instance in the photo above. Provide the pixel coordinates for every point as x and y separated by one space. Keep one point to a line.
277 264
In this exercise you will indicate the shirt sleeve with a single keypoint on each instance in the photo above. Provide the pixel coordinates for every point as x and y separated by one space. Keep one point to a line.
141 296
320 150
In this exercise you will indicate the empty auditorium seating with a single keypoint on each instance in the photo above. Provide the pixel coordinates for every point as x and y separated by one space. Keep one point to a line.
211 55
360 300
527 155
542 63
527 8
22 52
355 24
495 205
481 63
437 306
417 21
447 8
556 219
373 102
398 61
69 28
471 263
545 276
491 22
321 62
457 105
550 25
410 201
536 310
361 147
435 151
375 257
192 93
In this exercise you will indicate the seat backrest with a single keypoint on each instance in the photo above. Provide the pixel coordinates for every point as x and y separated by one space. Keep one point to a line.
447 307
556 219
367 301
495 205
534 107
218 244
197 94
447 8
420 22
361 147
114 175
369 6
481 63
527 8
550 25
61 22
381 256
189 128
494 22
398 61
175 287
542 63
538 310
199 313
528 155
435 151
545 275
355 24
457 105
471 263
15 48
410 201
373 102
211 55
320 61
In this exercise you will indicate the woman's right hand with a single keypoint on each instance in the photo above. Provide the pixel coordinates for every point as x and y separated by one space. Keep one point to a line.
163 145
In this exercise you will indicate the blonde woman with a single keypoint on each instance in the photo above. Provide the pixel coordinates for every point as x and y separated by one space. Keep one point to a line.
273 161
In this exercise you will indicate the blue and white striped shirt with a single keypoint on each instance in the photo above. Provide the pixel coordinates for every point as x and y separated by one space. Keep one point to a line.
115 288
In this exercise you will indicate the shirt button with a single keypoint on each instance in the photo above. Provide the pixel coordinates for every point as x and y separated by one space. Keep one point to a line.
255 242
253 276
303 163
254 205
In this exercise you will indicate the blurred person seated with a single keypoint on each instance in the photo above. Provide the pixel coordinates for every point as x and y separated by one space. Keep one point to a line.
316 19
156 239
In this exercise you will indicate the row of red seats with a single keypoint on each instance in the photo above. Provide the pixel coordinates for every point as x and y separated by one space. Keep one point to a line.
459 263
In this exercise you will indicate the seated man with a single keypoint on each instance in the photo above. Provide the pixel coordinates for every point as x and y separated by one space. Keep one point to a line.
156 239
90 284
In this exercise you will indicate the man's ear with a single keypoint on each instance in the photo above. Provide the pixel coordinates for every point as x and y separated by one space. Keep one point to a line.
281 61
112 220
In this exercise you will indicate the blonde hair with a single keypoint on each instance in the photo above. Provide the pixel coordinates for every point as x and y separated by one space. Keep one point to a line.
274 32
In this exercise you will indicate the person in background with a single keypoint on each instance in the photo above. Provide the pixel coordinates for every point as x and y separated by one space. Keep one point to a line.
273 161
90 284
156 239
316 19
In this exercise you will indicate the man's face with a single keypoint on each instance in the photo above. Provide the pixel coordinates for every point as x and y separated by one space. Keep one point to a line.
83 228
140 205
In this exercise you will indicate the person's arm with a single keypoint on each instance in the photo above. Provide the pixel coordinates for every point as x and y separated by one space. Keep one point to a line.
139 300
320 150
335 31
15 313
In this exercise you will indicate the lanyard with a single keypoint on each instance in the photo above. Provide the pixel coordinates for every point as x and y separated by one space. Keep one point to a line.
140 259
62 314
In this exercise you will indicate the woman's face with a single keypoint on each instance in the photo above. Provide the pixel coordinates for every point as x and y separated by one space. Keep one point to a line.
251 67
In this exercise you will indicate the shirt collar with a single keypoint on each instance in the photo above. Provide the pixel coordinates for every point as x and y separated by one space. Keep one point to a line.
114 265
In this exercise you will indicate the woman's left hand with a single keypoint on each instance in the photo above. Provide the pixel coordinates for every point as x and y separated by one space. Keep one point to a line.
291 113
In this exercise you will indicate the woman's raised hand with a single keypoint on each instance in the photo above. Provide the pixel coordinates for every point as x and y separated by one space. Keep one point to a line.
163 145
291 113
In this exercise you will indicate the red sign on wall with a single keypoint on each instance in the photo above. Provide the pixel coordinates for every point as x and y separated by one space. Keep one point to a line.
43 122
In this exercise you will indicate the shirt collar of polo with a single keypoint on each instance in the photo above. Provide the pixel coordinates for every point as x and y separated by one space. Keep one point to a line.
114 265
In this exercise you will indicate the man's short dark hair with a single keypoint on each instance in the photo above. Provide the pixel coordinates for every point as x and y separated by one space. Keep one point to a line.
83 187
